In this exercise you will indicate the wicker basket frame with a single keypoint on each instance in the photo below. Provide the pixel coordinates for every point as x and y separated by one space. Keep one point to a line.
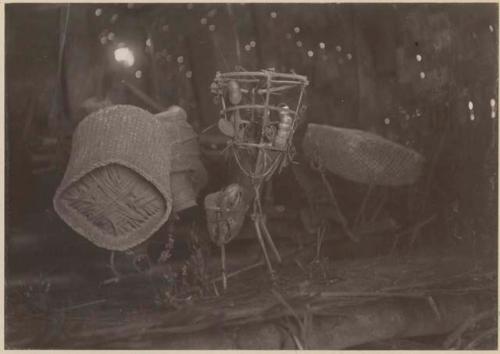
265 94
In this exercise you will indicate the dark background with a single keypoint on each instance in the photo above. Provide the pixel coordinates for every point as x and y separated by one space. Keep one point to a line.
367 76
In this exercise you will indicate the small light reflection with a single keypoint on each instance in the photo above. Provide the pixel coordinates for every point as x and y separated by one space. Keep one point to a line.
124 56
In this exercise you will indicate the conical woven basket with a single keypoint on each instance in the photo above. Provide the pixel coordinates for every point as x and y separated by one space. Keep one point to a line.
116 190
362 156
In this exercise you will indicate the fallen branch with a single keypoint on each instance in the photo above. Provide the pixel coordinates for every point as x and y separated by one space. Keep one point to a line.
488 333
261 263
456 334
351 294
290 309
414 231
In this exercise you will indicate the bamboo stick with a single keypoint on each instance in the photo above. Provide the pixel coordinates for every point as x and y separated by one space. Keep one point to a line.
142 96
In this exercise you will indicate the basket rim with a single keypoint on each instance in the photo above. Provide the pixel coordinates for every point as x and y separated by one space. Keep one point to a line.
301 79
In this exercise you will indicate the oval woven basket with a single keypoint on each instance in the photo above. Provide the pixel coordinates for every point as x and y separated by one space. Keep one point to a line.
362 156
116 189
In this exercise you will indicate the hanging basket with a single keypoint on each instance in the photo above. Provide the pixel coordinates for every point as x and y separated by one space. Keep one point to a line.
260 111
116 190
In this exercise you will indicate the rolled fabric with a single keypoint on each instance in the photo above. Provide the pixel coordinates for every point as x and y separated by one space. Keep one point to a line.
189 175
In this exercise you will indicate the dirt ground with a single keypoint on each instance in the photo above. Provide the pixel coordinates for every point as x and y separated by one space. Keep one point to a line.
68 298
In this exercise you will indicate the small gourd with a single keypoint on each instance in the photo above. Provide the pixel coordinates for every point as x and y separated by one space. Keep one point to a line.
234 92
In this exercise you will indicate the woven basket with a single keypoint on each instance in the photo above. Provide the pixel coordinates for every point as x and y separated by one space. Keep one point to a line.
223 225
116 189
362 156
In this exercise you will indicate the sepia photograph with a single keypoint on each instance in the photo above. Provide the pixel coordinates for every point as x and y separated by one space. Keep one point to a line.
273 176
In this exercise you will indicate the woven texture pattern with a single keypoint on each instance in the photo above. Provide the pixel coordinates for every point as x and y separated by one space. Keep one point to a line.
119 170
362 156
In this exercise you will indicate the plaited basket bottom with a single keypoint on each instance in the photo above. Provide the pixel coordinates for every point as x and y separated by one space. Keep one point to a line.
115 201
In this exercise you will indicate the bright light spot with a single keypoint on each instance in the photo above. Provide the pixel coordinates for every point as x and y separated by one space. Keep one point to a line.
149 42
203 21
422 75
274 14
180 59
138 74
164 28
189 74
111 36
296 29
211 28
492 102
472 117
114 18
288 36
253 44
338 48
349 56
103 39
322 45
310 53
125 56
387 121
419 58
471 105
98 12
299 44
491 28
247 47
493 114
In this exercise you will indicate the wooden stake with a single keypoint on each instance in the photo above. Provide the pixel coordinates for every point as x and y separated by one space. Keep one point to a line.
269 238
262 244
223 262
